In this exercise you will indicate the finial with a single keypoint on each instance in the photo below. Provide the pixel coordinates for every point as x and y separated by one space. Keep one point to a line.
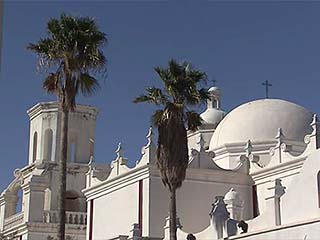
214 82
200 142
91 160
314 119
248 148
314 122
119 151
149 137
91 167
280 135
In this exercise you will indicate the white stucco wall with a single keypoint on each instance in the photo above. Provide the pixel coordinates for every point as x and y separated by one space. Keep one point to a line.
82 123
195 199
159 207
116 202
193 138
300 231
267 182
40 124
76 182
302 197
115 213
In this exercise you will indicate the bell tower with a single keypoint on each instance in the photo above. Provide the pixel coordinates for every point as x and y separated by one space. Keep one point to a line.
45 133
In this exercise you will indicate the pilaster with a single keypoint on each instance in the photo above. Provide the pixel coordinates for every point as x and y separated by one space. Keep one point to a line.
34 197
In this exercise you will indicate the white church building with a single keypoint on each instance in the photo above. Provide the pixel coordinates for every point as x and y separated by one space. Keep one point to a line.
254 173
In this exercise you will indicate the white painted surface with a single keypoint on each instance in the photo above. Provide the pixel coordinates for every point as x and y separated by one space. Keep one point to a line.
38 180
259 121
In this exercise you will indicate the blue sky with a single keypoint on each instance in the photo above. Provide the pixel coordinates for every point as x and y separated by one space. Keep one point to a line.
241 44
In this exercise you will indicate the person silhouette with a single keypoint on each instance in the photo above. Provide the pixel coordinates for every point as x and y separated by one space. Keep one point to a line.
190 236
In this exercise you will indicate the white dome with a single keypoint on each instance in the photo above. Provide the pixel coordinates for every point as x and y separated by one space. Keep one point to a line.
259 120
212 116
214 90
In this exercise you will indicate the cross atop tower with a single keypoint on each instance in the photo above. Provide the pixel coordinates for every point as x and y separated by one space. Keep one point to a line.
214 82
267 85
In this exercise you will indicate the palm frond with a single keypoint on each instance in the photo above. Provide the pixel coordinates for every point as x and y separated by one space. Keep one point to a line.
193 120
203 95
87 84
73 48
51 83
157 117
154 95
163 73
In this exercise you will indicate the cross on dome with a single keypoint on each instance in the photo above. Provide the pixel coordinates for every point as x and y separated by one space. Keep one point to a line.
267 85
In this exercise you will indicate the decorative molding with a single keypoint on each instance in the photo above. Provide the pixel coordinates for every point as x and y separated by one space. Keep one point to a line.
148 151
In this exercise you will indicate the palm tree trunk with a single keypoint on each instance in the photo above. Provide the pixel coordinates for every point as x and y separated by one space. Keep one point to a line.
62 172
173 215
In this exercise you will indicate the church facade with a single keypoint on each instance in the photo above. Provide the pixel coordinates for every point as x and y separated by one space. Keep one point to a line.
253 173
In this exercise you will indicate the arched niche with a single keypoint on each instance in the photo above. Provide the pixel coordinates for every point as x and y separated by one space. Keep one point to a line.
47 198
72 148
34 146
47 149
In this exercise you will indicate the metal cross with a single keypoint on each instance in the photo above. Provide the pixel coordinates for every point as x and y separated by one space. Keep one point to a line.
267 85
214 81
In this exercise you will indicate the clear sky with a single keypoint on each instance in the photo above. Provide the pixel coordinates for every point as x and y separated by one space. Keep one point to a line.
241 44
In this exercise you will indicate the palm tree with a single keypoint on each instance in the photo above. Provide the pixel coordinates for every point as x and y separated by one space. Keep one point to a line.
181 90
72 53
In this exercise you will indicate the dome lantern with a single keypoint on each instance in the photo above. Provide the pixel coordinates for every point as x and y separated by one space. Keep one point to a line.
213 114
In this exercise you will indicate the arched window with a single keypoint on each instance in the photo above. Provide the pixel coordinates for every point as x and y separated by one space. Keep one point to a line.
47 152
34 148
14 199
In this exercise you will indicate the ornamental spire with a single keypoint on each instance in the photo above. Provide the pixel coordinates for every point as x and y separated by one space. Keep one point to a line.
280 136
200 142
314 123
248 148
119 150
149 137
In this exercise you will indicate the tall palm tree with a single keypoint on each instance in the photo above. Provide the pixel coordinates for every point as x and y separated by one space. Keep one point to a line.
72 53
181 90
